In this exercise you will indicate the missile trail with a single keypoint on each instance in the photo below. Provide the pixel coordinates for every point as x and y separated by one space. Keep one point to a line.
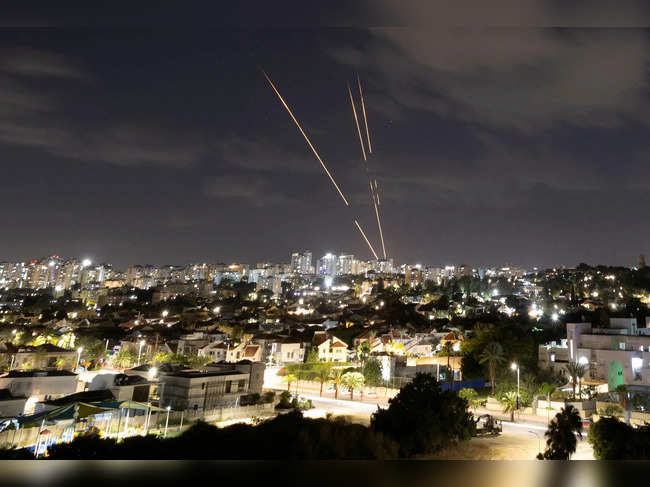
375 198
366 239
377 193
356 120
306 138
365 119
313 149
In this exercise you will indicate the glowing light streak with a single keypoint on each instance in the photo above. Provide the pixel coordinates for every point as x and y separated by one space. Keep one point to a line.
356 121
366 239
381 233
313 149
363 109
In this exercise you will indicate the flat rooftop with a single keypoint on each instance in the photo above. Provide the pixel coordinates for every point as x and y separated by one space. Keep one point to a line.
195 374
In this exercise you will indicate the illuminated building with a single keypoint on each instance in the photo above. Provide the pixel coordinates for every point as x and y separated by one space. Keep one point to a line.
301 262
327 265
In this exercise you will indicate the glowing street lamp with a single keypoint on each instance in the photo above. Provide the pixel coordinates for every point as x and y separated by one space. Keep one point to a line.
79 350
142 342
165 313
153 371
167 421
515 366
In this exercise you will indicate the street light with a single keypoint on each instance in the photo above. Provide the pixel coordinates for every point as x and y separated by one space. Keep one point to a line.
515 366
165 313
167 421
142 342
79 350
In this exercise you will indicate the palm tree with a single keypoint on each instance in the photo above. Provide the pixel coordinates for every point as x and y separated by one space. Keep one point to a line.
509 401
561 439
336 376
446 351
289 378
323 372
575 371
493 356
352 381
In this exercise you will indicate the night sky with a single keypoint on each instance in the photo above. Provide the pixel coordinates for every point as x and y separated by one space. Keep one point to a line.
150 135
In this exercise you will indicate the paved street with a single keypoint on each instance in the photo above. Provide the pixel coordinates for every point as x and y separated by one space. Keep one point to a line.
521 440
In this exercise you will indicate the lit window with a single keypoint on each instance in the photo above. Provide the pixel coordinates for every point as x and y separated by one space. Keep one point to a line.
621 345
552 357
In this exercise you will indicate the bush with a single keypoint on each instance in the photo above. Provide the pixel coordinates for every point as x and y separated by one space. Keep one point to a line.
611 410
285 401
614 440
250 399
268 397
302 439
423 419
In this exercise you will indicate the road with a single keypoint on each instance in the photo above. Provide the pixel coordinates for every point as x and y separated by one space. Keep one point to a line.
521 440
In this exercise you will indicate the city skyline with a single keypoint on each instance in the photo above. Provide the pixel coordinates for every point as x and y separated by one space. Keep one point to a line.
522 145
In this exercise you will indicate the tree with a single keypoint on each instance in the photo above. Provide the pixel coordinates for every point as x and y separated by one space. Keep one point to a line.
352 381
198 361
470 396
93 349
575 371
446 351
322 372
371 371
561 434
493 356
423 419
623 400
125 358
312 356
363 352
289 379
336 376
509 402
615 440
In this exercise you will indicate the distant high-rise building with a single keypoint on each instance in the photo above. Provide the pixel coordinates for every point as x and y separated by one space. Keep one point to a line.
301 262
347 264
384 266
327 265
272 283
413 276
641 261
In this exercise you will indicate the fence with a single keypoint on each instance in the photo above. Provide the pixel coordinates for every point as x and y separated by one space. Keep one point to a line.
116 424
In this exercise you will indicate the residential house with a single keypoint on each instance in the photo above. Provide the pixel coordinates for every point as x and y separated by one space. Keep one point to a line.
46 356
613 356
330 348
218 385
38 385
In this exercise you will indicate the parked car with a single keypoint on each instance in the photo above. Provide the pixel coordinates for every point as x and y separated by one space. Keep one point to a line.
586 422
